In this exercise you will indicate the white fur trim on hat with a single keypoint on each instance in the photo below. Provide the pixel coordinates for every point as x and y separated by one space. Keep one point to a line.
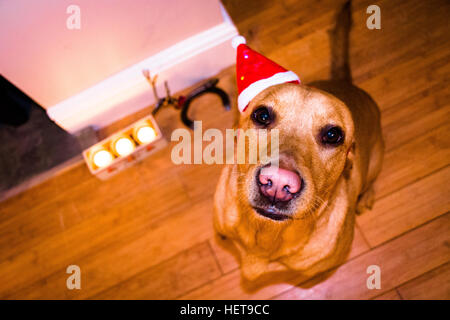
236 41
256 87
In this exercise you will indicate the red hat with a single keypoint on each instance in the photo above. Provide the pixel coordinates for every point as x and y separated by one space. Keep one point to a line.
255 73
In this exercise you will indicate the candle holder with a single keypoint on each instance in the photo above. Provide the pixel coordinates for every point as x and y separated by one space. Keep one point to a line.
124 148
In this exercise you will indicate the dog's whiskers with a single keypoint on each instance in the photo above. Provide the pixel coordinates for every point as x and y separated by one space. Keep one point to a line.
312 211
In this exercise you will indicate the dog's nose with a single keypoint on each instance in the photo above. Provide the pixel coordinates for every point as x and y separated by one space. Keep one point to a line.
279 184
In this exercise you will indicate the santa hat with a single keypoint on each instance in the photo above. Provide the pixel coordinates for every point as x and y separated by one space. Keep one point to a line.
255 73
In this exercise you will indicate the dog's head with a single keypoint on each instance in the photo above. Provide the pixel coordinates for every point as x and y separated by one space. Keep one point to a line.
315 147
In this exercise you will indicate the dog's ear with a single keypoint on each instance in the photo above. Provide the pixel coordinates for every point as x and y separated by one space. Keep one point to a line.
349 160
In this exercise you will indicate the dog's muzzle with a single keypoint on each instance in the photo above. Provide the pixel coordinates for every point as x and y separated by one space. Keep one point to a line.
277 188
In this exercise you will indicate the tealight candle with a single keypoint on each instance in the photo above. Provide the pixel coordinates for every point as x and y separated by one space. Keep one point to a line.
102 158
145 134
124 146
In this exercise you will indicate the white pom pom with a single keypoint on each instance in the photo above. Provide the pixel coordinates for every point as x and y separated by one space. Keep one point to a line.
236 41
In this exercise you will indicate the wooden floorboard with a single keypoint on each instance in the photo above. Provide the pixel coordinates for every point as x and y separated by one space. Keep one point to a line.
390 295
433 285
413 205
147 232
412 161
400 260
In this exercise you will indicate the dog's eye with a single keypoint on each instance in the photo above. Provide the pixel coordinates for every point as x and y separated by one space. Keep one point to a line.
262 116
332 135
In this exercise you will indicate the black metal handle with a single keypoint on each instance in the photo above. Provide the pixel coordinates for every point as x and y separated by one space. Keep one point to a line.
185 103
208 87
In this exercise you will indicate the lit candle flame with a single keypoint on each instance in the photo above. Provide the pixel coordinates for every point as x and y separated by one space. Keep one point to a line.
146 134
102 158
124 146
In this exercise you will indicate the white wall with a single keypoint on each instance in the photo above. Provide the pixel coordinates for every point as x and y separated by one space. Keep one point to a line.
64 70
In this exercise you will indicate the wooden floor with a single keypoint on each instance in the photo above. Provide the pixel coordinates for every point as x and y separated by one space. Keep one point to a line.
147 233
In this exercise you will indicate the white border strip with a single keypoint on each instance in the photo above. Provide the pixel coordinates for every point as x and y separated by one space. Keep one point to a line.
256 87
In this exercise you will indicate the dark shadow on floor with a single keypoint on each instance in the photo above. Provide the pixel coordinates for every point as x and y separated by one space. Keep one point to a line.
30 142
